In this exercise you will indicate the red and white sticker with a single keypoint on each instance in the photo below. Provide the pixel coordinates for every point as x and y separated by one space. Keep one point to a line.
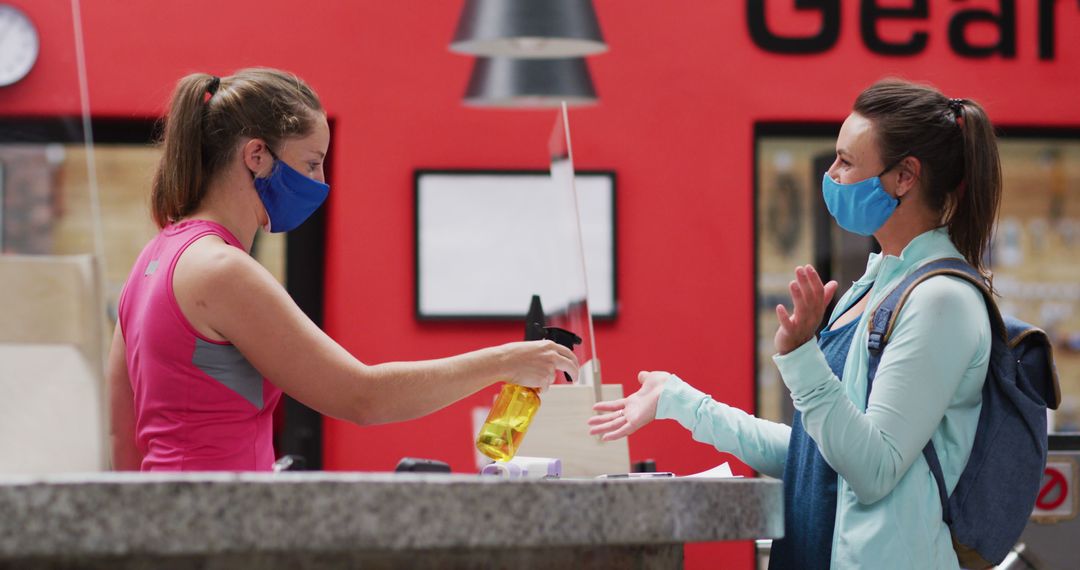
1057 498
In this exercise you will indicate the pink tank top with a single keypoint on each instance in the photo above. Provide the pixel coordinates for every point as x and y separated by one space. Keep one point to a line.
199 404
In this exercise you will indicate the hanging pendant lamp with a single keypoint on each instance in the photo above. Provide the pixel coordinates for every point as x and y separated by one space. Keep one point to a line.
528 29
529 83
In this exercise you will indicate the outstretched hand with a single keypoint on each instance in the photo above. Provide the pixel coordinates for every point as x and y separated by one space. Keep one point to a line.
624 416
810 299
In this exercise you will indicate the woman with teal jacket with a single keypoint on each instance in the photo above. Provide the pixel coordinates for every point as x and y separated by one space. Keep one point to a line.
921 173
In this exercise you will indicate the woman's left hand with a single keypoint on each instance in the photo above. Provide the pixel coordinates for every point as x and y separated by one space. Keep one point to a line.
627 415
810 298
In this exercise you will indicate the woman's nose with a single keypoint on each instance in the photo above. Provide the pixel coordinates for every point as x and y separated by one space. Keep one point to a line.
832 169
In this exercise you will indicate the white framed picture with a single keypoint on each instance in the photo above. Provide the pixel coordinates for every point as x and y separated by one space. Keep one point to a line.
483 243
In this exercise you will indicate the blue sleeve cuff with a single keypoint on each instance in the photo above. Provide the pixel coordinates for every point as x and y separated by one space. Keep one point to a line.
803 369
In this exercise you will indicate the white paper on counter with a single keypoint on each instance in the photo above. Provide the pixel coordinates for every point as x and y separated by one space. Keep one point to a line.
722 471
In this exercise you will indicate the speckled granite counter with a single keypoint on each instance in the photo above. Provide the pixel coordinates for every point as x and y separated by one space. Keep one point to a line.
345 520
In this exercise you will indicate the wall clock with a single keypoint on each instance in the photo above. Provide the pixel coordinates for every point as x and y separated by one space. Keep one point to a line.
18 45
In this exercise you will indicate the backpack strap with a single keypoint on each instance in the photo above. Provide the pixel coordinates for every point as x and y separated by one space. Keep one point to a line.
884 319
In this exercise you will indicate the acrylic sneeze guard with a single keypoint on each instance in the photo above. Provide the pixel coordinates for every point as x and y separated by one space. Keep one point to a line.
53 331
565 291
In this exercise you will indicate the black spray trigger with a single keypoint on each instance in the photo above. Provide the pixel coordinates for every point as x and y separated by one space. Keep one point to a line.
565 338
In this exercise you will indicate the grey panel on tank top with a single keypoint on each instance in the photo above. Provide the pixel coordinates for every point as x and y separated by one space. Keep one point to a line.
224 363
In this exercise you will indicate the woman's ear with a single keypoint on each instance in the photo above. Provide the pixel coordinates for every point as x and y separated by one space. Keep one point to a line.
256 157
908 173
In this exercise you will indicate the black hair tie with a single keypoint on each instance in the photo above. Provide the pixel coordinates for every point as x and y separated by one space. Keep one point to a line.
213 86
957 108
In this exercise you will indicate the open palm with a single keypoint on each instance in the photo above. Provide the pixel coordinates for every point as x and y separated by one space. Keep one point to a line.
624 416
809 298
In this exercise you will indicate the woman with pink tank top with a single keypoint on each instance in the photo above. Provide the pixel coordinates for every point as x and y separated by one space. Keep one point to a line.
207 340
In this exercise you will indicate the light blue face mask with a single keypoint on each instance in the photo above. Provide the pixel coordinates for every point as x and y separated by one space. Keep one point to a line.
288 196
861 207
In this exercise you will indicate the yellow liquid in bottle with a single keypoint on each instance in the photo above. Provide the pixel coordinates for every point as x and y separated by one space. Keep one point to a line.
506 424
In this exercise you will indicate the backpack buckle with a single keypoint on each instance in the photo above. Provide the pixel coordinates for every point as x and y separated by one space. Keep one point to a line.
874 341
879 323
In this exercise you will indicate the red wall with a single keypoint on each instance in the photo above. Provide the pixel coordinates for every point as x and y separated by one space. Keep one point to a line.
681 89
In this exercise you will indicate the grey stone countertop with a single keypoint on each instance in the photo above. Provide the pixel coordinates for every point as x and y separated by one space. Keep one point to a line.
112 514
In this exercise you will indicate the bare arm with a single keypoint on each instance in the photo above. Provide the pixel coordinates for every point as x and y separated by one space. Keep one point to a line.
125 454
243 303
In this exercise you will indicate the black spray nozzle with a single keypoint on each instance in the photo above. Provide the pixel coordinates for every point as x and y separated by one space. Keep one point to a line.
534 320
565 338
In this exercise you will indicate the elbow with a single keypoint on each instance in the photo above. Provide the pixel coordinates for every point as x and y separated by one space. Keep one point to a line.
876 473
363 419
365 409
357 405
372 401
359 412
871 494
877 487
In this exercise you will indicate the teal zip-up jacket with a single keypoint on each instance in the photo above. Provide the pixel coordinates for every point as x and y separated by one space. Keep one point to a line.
928 386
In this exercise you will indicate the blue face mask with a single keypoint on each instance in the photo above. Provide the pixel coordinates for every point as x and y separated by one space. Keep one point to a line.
289 197
862 207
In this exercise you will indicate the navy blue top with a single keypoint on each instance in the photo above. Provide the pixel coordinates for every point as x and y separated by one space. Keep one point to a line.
809 482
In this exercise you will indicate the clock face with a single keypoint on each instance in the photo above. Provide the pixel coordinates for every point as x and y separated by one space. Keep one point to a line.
18 45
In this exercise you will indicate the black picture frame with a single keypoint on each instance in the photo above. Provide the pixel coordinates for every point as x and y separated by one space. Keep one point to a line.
422 313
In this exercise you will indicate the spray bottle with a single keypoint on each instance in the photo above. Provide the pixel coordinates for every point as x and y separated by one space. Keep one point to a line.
516 405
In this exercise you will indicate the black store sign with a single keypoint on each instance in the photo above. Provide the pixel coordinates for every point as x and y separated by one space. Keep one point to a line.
870 14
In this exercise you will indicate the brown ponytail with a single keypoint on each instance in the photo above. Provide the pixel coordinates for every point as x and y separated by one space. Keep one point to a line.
178 184
973 214
955 142
208 115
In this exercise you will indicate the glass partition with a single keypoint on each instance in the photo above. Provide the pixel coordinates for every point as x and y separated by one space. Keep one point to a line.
565 291
53 332
74 214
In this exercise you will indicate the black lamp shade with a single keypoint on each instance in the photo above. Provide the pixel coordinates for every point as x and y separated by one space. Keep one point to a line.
529 83
528 29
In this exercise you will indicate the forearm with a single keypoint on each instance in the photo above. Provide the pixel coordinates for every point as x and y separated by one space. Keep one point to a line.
398 391
759 443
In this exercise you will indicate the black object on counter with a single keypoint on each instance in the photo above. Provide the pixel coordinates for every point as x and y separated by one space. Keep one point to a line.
647 466
419 465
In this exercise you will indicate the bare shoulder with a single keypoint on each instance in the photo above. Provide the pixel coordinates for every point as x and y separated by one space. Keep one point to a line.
213 278
210 262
